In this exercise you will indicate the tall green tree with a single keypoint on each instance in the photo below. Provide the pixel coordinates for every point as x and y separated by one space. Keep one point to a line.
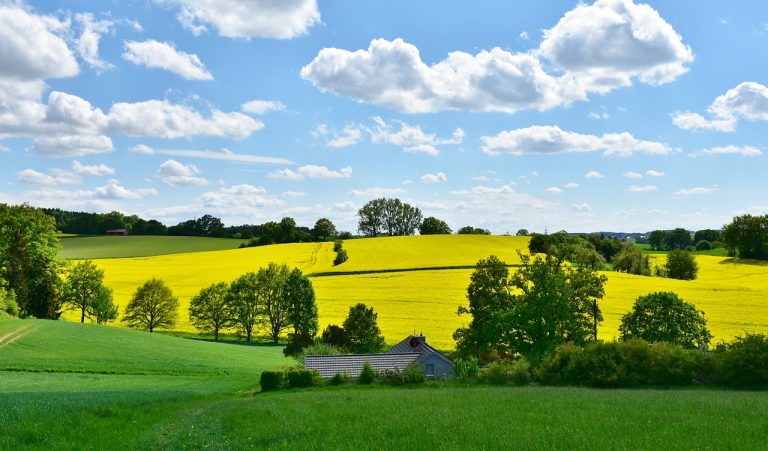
29 263
84 282
209 310
102 308
434 226
658 240
271 284
663 316
244 298
324 229
302 308
153 305
632 260
681 264
362 330
679 239
747 236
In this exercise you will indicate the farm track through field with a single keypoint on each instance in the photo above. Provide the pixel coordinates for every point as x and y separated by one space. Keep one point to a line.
313 256
11 337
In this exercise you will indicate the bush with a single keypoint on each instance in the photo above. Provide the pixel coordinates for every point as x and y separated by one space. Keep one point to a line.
337 245
663 316
632 260
341 257
412 374
745 361
367 376
466 368
681 265
317 348
300 378
339 379
272 380
504 371
8 302
335 336
344 235
297 343
703 245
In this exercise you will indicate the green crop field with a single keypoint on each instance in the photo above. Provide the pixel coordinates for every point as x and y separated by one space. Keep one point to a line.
140 246
75 386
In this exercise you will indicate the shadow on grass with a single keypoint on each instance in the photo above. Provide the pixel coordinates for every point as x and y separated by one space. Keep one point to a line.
744 261
223 339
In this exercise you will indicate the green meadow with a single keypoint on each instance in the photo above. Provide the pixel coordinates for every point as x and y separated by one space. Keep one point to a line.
93 247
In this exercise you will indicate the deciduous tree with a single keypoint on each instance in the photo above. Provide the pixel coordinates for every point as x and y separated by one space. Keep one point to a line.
324 229
663 316
362 330
244 298
271 285
153 305
84 280
681 264
434 226
209 310
102 308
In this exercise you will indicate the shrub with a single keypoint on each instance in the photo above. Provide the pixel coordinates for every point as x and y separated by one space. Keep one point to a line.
745 361
663 316
466 368
335 336
504 371
344 235
300 378
632 260
367 376
412 374
339 379
681 265
341 257
272 380
297 343
703 245
8 302
337 245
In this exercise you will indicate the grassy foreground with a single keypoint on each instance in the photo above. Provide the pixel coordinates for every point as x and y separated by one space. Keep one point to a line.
140 246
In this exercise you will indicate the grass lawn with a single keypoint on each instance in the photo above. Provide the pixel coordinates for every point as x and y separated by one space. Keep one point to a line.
75 386
140 246
718 252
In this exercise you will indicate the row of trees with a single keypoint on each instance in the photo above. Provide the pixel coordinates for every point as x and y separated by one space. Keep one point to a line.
545 304
747 237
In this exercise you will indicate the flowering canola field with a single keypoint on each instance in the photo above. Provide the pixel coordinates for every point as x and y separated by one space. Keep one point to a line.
733 294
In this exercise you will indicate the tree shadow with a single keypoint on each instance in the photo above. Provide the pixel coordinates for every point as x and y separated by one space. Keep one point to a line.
743 261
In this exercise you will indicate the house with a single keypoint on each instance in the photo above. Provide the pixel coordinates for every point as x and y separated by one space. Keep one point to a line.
414 350
117 232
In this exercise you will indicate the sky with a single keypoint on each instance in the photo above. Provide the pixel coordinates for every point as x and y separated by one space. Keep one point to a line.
557 115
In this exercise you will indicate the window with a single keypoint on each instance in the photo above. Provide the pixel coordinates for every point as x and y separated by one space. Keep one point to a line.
430 373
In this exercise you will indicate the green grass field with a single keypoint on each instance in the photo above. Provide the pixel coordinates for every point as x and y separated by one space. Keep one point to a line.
718 252
140 246
82 386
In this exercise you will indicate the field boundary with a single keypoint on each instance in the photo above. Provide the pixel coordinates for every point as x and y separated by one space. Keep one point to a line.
379 271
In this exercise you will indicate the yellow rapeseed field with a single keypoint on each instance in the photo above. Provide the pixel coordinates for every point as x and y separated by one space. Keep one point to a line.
733 294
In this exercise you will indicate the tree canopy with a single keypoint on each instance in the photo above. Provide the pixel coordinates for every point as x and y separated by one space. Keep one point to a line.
84 282
681 264
388 216
153 305
434 226
324 229
209 310
663 316
362 331
747 236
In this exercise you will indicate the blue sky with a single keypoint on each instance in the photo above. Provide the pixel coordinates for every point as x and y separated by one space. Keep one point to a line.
611 115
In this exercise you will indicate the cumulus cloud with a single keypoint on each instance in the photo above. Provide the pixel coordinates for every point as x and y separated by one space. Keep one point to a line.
642 188
748 100
32 45
312 172
350 135
582 207
174 173
654 173
551 139
143 149
571 185
88 42
744 151
553 190
593 49
411 138
695 191
376 192
32 177
236 197
160 118
498 197
434 178
633 175
262 106
71 145
294 194
163 55
113 190
594 175
252 19
70 111
95 169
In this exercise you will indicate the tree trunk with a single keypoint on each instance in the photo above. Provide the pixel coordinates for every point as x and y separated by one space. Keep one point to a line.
82 315
216 334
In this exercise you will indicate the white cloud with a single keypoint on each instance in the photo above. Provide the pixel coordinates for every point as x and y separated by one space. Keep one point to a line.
174 173
434 178
502 197
376 192
88 42
553 190
582 207
594 175
113 190
163 55
32 177
633 175
141 148
67 111
262 106
748 100
223 155
642 188
410 137
744 151
71 145
551 139
96 169
252 19
160 118
599 116
350 135
571 185
32 45
654 173
594 49
234 198
605 44
294 194
695 191
311 171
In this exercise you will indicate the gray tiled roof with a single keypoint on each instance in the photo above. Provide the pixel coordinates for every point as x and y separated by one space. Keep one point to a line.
352 364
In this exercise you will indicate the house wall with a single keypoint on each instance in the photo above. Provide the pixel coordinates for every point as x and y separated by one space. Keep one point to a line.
443 369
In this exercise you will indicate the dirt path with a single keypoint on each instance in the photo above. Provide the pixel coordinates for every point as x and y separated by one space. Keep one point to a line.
12 336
